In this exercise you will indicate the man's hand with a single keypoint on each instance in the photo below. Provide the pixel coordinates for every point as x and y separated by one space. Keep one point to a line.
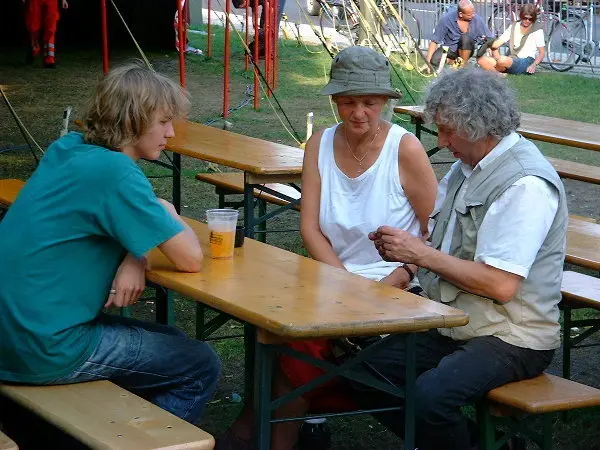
398 245
398 278
531 68
65 5
129 282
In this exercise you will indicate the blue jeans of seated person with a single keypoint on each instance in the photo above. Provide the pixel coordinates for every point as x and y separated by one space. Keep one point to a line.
157 362
520 65
450 374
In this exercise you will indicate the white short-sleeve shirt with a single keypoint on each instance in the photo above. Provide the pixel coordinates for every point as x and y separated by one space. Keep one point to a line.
531 45
516 223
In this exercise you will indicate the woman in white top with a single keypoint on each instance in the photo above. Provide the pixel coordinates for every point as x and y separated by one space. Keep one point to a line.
363 173
527 45
357 176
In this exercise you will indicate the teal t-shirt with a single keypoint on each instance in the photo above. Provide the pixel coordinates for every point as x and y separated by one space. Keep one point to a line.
61 243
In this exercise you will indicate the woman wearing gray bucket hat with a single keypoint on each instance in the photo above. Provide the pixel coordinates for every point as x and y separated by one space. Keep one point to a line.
357 176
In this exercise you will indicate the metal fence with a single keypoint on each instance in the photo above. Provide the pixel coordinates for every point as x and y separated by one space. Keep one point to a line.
571 28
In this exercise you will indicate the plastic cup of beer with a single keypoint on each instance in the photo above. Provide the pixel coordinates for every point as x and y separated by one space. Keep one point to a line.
221 224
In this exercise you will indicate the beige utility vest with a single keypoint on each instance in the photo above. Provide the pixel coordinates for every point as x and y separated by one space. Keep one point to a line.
530 320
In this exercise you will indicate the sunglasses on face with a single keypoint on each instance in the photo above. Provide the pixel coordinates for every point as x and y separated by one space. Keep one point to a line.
527 18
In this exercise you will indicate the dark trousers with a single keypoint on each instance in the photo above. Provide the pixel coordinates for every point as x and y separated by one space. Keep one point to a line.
465 43
450 374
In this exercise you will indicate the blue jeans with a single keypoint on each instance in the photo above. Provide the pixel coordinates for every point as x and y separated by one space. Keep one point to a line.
520 65
450 374
157 362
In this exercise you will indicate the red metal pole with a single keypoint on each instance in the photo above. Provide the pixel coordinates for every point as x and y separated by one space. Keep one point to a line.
266 12
182 43
255 50
226 64
208 36
246 58
104 36
275 41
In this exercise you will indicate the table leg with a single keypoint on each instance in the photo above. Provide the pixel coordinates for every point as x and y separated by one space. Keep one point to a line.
177 182
249 209
262 395
409 392
249 358
164 306
262 226
567 343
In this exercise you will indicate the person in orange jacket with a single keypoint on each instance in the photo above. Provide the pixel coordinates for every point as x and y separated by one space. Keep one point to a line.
38 12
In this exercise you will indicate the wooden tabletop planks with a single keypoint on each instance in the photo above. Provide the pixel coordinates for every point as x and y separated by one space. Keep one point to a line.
542 128
296 297
235 150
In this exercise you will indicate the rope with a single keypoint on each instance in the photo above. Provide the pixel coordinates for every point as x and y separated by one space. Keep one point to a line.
131 35
22 128
314 30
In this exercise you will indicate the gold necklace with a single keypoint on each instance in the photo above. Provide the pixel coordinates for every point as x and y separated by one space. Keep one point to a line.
359 170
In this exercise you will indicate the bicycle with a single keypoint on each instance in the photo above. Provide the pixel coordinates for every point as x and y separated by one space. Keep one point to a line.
572 38
342 18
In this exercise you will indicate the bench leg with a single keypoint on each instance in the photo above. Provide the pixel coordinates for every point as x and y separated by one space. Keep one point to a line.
486 426
547 431
567 343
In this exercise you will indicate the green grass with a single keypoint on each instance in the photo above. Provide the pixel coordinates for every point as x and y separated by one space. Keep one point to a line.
39 97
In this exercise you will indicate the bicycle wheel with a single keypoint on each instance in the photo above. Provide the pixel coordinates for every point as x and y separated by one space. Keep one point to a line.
547 21
395 33
500 19
339 25
566 43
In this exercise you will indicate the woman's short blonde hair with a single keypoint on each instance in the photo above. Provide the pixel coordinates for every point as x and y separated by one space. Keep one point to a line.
125 103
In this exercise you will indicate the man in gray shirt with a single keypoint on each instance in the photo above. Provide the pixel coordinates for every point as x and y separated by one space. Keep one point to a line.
496 251
459 29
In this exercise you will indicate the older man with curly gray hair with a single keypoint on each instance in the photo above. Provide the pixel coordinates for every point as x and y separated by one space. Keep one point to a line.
495 251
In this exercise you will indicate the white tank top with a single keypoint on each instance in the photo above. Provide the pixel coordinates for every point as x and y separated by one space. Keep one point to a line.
352 207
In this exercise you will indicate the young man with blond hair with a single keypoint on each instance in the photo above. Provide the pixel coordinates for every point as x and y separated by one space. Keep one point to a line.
80 231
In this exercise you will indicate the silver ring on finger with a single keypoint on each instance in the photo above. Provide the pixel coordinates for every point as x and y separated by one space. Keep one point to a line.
112 292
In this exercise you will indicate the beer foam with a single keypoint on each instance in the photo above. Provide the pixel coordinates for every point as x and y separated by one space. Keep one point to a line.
222 225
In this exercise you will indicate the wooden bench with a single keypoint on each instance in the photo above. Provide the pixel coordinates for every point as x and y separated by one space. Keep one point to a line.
578 291
524 400
7 443
102 415
9 189
541 128
233 183
583 242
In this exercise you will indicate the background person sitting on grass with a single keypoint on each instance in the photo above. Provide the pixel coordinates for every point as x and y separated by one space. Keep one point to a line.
75 241
459 28
526 43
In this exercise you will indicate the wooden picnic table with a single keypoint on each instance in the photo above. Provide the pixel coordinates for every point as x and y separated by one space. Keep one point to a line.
287 296
263 162
539 128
